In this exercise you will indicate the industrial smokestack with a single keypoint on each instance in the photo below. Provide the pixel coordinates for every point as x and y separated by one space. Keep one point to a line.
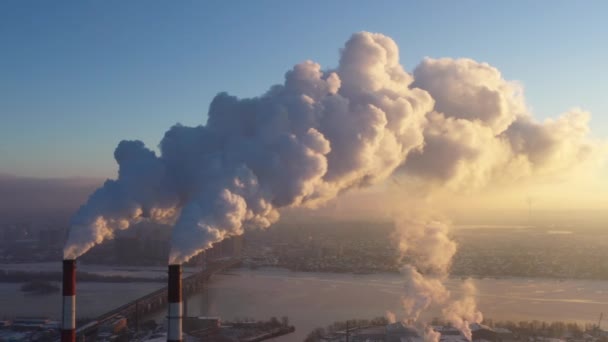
68 326
174 316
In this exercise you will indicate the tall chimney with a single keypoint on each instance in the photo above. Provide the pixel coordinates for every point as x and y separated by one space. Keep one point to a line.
174 316
68 326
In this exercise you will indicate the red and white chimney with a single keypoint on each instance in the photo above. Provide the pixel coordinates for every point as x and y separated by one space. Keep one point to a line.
174 317
68 325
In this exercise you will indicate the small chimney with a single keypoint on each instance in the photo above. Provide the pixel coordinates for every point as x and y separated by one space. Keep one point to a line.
174 316
68 326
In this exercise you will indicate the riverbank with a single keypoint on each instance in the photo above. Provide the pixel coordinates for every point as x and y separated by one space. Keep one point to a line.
313 299
21 276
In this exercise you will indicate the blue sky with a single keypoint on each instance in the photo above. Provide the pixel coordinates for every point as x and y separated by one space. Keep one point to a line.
76 77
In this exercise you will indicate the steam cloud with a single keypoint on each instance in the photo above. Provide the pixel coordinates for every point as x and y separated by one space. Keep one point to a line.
481 130
426 253
323 132
431 252
464 311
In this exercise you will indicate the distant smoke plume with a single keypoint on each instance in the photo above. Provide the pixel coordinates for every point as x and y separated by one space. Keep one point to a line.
462 312
426 254
424 248
428 244
321 133
421 291
431 335
391 317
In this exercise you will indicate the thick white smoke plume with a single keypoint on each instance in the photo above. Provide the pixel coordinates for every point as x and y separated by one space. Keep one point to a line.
481 130
324 132
301 143
421 291
462 312
426 253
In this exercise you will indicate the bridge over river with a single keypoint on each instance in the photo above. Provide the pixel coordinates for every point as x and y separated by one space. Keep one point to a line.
155 301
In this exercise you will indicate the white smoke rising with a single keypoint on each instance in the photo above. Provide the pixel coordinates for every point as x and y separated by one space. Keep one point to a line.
430 335
427 243
420 292
301 143
141 191
424 248
323 132
390 317
462 312
427 252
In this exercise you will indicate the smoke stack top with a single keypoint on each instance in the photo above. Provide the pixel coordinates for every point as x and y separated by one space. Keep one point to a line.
69 277
320 133
175 284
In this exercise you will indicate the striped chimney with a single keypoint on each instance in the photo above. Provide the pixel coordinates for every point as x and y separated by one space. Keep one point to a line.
174 316
68 325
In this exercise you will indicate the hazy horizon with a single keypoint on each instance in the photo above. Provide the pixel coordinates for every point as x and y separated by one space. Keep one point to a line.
23 197
431 143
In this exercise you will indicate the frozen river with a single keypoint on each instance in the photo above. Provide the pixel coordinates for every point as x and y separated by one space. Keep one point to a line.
317 299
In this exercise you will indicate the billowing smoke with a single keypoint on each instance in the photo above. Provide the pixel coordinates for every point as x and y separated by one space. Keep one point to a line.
462 312
482 131
426 243
321 133
430 335
425 248
426 254
301 143
421 291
